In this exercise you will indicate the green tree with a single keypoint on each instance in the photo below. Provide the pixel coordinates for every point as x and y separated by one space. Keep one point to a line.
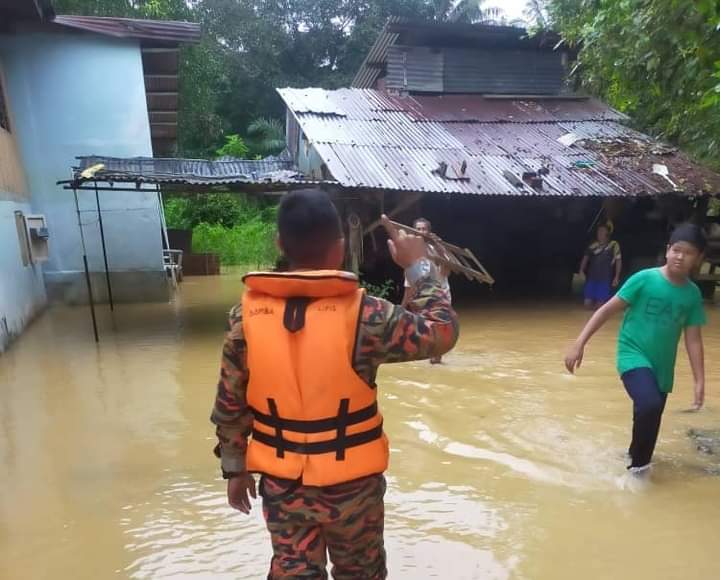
201 78
266 137
234 147
657 60
536 14
466 11
238 228
297 43
125 8
225 209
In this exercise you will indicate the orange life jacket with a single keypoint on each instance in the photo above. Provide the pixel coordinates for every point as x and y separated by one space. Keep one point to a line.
315 418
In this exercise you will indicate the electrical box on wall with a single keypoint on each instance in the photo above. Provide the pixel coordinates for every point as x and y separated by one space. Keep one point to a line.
37 237
33 238
23 238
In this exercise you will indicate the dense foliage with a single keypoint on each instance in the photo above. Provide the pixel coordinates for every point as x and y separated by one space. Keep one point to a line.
250 244
657 60
240 229
228 81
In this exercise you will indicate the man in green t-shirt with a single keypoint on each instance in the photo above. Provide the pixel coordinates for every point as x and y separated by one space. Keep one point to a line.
659 304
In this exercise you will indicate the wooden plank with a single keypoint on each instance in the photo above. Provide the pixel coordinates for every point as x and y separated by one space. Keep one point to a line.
457 259
402 206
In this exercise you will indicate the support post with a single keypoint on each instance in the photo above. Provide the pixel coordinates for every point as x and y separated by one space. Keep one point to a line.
87 269
163 223
104 249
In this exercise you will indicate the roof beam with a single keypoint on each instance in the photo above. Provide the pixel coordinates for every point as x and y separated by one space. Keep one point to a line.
157 50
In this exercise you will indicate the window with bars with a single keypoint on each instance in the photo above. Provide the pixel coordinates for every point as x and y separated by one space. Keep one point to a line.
4 118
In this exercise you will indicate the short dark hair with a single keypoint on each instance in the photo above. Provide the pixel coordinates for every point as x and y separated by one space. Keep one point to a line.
691 234
308 225
423 221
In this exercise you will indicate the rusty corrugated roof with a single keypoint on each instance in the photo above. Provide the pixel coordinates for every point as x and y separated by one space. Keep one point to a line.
150 30
369 139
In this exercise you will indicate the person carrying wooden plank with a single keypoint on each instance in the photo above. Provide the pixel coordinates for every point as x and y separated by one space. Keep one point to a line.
424 226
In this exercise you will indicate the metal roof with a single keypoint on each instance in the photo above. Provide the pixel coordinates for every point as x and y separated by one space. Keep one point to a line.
273 171
369 139
156 31
372 65
490 70
421 33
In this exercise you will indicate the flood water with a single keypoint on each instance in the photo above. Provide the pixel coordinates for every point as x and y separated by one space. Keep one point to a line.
502 465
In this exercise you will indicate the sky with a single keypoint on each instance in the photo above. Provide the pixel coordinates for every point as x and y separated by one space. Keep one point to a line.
513 8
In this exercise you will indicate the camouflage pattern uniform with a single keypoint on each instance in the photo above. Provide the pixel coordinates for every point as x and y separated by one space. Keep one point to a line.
345 520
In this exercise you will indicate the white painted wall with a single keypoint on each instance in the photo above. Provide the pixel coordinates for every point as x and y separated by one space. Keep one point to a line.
22 292
82 94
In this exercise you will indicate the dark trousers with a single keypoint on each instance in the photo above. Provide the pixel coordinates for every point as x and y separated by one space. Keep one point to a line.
648 406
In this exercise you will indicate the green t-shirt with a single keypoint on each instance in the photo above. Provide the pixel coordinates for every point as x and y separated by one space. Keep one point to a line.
658 311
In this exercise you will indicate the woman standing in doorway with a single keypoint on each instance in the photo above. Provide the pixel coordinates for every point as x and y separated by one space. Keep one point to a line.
601 265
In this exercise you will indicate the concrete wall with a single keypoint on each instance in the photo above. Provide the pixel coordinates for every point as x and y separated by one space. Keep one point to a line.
22 292
82 94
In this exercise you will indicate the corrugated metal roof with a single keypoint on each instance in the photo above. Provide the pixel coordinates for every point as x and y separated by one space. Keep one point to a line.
503 71
436 34
372 65
277 170
369 139
475 108
388 130
152 30
415 69
480 70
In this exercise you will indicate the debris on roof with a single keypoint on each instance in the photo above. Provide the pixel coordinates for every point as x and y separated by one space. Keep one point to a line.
473 144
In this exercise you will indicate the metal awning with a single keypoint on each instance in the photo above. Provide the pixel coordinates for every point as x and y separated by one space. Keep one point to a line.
272 174
141 174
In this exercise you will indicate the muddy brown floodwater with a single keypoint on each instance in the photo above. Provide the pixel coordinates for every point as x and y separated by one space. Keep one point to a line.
502 465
